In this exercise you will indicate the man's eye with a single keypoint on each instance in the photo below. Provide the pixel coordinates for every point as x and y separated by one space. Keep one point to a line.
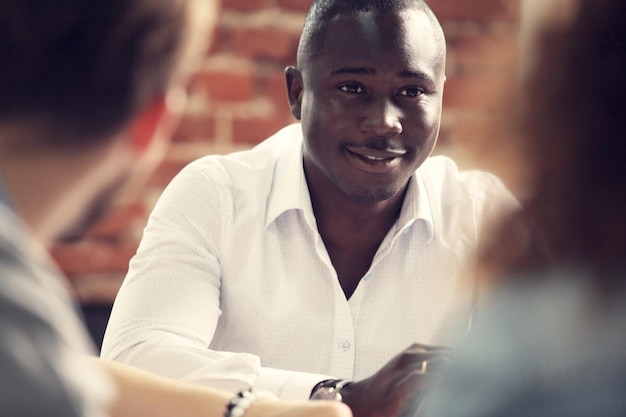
412 92
351 89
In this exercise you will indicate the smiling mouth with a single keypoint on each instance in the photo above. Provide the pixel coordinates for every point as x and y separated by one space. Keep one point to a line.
376 155
375 160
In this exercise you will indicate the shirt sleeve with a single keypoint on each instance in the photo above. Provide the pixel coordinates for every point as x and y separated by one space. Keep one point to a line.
174 278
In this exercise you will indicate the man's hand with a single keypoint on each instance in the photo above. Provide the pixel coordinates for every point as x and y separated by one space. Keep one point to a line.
396 389
285 408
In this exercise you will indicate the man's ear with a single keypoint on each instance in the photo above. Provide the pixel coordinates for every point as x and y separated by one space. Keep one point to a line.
159 120
295 89
144 127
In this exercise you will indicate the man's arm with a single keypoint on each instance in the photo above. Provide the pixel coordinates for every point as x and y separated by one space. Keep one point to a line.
166 313
144 394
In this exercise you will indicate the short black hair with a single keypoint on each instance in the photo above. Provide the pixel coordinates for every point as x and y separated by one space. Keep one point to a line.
84 68
321 13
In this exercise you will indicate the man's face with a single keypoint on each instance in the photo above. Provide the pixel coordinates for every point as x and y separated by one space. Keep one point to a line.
370 103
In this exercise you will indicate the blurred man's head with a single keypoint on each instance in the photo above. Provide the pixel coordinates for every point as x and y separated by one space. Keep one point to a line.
95 80
81 70
573 124
574 119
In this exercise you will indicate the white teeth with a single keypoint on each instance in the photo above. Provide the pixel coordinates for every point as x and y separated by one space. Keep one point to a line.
373 158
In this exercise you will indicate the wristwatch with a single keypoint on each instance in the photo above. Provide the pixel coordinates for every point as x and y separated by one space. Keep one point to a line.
328 389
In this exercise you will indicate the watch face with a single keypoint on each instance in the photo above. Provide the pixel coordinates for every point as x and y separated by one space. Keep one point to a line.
327 393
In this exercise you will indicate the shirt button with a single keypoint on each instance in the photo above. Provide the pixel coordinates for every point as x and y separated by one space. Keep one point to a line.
344 345
367 277
405 231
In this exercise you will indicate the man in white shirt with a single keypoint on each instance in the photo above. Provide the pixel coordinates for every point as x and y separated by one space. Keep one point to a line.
328 248
89 94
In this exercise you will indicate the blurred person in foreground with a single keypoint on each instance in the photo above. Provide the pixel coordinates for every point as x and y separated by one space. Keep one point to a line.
307 265
89 95
552 339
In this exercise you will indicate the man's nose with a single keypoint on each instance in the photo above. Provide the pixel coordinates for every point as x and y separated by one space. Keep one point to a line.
382 119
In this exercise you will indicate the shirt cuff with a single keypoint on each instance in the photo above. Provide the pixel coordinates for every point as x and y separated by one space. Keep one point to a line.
291 386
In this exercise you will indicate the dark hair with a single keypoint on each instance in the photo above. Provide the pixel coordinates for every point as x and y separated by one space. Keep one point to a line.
573 124
82 69
322 12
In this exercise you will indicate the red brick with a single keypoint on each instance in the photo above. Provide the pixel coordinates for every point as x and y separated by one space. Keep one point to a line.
488 142
215 40
196 128
254 130
221 40
478 10
444 137
106 248
246 5
94 256
301 5
165 172
266 43
276 90
476 93
492 52
118 221
224 85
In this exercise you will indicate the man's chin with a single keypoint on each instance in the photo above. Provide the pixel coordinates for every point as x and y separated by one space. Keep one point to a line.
372 193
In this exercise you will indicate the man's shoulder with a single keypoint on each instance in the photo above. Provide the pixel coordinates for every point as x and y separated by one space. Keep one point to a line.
255 161
242 179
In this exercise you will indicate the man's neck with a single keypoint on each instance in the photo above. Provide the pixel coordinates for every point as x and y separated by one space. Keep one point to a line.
353 231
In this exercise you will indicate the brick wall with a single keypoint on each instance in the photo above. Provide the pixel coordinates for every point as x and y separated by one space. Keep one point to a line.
238 98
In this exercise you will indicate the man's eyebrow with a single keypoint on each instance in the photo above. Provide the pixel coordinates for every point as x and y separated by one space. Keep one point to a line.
354 70
371 71
417 74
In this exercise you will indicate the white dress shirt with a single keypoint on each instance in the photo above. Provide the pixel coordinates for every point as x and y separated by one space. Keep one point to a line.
232 284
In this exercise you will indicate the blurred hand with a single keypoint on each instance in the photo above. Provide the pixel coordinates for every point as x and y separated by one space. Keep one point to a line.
284 408
397 388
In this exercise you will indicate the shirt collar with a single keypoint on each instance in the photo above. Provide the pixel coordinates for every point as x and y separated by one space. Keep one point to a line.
290 190
416 206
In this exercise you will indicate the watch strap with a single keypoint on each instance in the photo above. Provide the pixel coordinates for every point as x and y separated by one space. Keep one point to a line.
328 389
